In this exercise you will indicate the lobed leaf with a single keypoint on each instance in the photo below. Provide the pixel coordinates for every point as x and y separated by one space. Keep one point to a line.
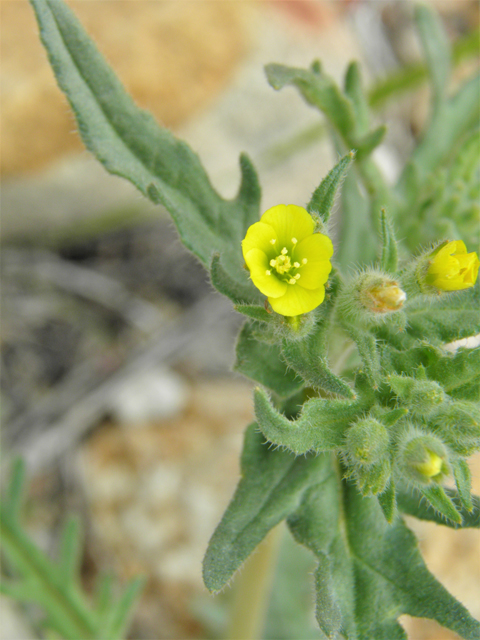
436 49
320 427
389 257
129 143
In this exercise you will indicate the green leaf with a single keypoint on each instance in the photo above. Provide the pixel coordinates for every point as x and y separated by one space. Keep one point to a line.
323 198
367 348
238 292
256 312
263 363
369 142
320 427
440 501
370 572
16 489
446 319
411 502
129 143
449 126
354 90
70 550
387 502
389 258
436 48
357 238
118 618
270 488
453 371
463 480
319 90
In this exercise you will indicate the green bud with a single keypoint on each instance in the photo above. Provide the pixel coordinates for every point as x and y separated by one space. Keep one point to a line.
421 396
423 458
369 298
458 424
367 442
373 479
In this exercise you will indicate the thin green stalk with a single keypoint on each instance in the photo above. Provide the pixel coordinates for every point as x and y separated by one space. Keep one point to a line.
253 589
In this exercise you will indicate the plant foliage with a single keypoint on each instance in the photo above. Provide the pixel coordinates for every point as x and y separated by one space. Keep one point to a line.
358 446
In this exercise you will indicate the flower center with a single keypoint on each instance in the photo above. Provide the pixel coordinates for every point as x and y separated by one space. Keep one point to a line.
283 265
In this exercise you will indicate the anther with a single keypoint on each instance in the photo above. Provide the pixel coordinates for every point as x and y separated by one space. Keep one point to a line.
292 281
268 272
273 240
294 240
284 251
273 263
296 264
304 261
297 276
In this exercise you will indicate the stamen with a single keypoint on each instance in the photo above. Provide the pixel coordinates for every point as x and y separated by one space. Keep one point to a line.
297 276
292 281
273 263
294 240
273 240
304 261
284 251
296 264
268 272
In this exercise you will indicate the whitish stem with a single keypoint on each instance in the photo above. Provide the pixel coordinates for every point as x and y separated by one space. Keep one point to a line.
253 589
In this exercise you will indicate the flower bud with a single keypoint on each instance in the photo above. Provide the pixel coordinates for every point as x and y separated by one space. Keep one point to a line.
423 458
421 396
369 298
367 441
447 268
458 424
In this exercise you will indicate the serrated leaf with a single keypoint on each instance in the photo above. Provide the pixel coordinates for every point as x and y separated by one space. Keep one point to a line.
116 622
411 502
389 257
263 363
436 49
129 143
70 550
320 427
323 198
270 488
16 489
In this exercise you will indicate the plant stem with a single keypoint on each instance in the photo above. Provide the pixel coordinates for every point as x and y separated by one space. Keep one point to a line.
253 589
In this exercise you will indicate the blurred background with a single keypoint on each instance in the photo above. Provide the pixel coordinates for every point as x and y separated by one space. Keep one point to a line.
115 351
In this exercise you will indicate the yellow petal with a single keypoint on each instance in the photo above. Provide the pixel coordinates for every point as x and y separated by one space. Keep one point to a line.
259 236
269 285
289 221
317 249
297 300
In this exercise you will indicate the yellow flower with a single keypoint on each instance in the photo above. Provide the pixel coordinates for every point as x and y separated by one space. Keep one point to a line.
452 268
432 465
287 261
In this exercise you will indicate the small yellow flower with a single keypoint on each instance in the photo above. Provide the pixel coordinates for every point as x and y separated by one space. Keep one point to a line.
432 466
288 262
452 268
